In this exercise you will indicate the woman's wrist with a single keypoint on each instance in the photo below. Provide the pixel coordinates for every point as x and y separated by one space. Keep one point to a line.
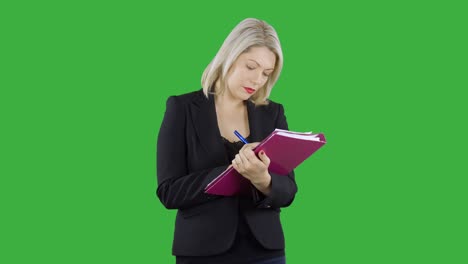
264 185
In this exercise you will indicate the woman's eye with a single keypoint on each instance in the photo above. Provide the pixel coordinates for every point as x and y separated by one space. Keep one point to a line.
253 68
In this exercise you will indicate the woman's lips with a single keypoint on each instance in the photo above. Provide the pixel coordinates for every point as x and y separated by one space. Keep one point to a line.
249 90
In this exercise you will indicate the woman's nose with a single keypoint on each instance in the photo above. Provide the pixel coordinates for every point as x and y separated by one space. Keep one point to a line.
257 79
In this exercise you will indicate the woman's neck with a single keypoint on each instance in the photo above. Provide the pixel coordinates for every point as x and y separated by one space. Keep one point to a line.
227 102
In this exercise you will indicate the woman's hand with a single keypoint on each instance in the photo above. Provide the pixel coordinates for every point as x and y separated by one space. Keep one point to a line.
253 168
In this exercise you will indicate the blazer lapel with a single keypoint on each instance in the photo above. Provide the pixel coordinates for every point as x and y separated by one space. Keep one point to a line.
254 122
206 126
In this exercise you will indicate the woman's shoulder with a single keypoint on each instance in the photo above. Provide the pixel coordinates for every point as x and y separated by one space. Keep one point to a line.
273 104
187 97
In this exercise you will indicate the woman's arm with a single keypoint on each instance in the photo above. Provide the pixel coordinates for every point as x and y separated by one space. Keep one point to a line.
177 188
282 188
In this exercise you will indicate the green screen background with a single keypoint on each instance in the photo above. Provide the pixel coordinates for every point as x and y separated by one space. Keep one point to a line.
83 91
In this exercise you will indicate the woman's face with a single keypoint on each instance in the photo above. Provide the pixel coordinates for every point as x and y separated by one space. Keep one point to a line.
250 72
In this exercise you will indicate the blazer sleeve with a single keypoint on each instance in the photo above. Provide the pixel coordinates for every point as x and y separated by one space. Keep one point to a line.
283 187
177 188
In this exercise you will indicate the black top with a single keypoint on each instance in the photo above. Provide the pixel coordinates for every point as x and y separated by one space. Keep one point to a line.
245 248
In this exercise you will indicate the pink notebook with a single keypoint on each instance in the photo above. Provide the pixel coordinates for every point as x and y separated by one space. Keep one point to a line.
286 150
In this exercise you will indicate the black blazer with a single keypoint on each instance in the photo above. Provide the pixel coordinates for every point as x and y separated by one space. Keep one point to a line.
190 153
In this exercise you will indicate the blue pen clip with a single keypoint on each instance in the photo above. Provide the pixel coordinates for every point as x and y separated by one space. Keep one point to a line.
240 137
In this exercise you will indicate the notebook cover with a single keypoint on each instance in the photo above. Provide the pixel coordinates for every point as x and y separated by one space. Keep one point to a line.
285 155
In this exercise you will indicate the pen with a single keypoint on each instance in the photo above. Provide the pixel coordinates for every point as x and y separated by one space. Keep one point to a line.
240 137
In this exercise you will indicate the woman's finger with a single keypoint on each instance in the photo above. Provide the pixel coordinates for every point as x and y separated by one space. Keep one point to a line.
239 160
249 146
244 155
264 158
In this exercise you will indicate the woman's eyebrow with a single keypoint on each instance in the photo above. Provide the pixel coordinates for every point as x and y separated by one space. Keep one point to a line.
259 64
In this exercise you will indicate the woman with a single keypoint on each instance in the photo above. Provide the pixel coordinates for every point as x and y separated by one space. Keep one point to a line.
196 143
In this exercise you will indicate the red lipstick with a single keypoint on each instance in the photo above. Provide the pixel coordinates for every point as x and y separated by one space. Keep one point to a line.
249 90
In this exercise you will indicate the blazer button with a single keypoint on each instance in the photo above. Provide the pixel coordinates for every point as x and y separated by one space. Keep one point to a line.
267 206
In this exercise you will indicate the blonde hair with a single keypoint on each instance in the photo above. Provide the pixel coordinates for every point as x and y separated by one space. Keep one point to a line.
248 33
